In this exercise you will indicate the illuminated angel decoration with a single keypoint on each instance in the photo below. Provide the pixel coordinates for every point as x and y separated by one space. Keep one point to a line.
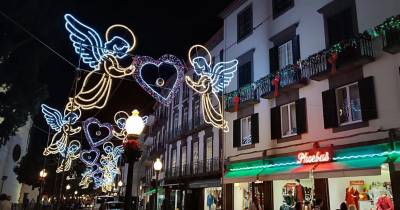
211 82
71 154
63 125
120 119
102 57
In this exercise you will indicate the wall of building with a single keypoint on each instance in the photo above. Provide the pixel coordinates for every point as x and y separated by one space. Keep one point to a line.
312 39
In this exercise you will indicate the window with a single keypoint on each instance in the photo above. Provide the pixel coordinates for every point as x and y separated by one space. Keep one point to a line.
183 159
244 74
288 120
285 54
246 131
244 23
348 104
341 25
209 151
221 55
176 119
196 112
195 152
173 161
185 120
281 6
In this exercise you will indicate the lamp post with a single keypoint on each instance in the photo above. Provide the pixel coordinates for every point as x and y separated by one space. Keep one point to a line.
134 126
68 187
157 168
42 179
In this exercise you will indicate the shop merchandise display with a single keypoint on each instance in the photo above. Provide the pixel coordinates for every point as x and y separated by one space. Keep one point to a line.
296 193
363 196
213 198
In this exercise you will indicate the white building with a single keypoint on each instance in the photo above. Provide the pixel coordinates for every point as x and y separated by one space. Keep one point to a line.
10 154
343 102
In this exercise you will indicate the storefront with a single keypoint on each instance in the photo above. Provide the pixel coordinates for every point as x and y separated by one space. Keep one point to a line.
359 177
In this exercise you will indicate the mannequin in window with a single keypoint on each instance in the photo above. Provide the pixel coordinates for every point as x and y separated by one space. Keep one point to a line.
351 198
384 202
210 200
299 192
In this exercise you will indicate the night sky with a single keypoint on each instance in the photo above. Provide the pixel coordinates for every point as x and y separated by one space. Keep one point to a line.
161 27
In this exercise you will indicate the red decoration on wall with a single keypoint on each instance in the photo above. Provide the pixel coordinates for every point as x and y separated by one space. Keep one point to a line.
236 101
314 157
332 60
275 83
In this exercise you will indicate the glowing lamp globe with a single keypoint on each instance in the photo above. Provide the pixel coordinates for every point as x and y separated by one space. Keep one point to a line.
134 124
120 183
68 187
43 173
157 165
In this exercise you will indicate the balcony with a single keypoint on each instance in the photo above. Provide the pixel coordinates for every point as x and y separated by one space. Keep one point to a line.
209 167
290 78
351 54
391 41
248 95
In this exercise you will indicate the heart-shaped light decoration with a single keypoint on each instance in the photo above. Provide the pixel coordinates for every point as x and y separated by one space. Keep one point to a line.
167 68
90 157
97 133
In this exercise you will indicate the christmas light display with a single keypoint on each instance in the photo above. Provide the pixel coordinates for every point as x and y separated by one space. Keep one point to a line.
71 154
95 90
102 134
63 125
90 157
211 82
120 119
144 61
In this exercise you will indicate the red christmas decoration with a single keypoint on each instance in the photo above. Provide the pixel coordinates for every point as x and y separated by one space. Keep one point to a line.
132 149
236 101
332 60
275 83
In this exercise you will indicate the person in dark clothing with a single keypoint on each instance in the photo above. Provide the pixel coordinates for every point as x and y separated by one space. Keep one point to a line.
343 206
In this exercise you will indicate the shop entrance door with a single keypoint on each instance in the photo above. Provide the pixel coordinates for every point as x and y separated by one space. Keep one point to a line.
321 191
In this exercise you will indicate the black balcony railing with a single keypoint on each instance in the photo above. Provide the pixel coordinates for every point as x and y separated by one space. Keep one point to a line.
247 95
196 168
350 54
265 85
391 40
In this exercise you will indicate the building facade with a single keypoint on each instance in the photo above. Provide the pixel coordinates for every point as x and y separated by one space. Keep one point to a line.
189 149
319 109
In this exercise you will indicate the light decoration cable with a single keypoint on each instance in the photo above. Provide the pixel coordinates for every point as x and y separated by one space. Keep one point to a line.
101 57
120 118
350 157
211 82
71 154
143 61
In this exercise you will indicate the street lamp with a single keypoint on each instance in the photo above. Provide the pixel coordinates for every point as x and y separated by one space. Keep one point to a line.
157 168
68 187
42 179
76 192
134 126
120 183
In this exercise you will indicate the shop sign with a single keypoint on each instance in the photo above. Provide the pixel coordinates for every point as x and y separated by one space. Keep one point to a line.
314 157
357 182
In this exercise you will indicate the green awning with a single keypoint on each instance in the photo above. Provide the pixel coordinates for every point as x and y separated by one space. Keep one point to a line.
365 157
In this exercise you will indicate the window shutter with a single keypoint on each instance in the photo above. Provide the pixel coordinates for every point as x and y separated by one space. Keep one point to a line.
330 110
273 60
301 116
276 122
236 133
296 48
254 129
367 99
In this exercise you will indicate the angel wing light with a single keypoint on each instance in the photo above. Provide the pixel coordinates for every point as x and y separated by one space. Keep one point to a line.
212 81
102 57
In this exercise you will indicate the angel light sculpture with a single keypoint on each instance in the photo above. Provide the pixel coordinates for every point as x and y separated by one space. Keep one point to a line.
212 81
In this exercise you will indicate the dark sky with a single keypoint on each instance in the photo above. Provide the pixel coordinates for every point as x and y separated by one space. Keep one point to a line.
161 27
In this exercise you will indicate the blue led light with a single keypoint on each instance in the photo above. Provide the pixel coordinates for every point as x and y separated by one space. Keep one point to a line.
89 45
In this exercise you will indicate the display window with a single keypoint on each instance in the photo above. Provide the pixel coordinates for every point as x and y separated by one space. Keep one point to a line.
248 196
213 198
289 192
361 193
